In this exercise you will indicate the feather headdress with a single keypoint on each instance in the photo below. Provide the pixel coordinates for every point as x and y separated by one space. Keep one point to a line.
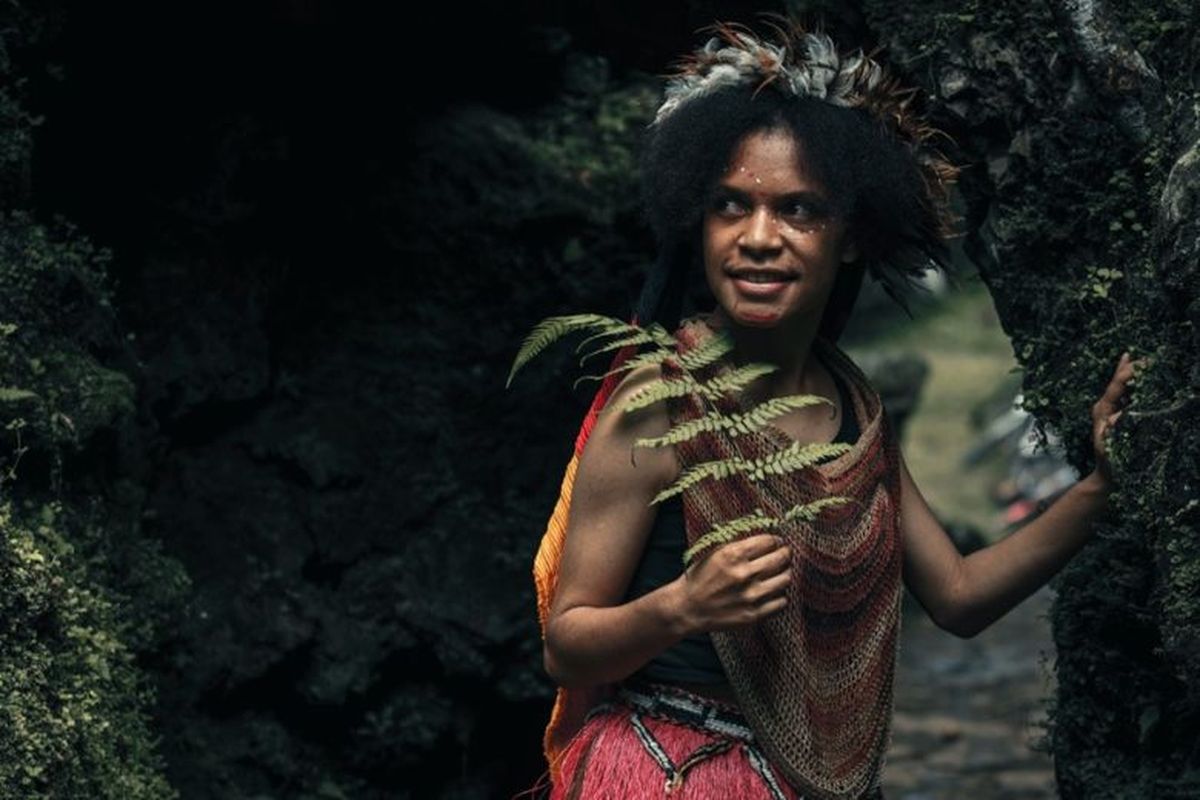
804 64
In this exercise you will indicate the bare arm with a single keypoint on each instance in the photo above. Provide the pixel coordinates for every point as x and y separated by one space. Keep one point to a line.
591 636
965 595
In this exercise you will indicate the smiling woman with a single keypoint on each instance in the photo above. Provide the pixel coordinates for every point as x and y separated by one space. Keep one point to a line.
763 668
864 161
771 248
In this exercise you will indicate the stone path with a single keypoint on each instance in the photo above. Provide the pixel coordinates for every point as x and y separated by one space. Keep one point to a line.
967 710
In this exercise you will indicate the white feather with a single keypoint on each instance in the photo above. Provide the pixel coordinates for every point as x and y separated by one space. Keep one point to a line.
812 69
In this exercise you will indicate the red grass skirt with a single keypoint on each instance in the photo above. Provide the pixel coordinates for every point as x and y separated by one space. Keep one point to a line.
689 747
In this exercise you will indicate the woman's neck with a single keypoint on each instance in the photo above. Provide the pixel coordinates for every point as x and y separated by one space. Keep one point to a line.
787 346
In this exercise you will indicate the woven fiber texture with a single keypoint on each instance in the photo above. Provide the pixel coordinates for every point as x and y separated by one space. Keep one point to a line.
815 679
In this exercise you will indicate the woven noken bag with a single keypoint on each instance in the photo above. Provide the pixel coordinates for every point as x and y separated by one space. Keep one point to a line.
815 679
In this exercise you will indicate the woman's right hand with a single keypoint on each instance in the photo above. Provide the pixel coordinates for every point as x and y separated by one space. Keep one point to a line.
736 584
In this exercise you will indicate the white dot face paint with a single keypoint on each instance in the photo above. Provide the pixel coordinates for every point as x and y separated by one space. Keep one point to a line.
757 180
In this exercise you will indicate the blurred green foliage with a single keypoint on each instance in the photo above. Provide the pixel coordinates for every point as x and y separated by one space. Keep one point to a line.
81 594
73 722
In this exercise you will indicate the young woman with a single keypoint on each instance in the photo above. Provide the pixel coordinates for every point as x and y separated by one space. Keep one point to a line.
782 172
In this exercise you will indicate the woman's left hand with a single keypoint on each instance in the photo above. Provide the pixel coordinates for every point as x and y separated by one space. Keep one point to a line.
1107 410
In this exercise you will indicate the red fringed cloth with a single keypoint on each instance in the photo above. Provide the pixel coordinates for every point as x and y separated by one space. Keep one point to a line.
570 705
815 679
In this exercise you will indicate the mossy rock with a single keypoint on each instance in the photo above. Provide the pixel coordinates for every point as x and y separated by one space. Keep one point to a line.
72 722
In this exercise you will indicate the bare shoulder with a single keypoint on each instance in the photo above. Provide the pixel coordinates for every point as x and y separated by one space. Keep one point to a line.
612 510
618 431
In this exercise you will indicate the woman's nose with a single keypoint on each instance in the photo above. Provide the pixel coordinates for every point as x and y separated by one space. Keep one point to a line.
762 231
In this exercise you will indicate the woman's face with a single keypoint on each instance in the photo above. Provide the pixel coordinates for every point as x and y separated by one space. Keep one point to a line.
772 245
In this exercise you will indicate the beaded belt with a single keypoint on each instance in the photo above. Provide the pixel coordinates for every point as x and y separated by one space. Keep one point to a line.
661 701
700 713
688 709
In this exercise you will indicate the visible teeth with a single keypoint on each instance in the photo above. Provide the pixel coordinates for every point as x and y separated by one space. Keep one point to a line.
761 278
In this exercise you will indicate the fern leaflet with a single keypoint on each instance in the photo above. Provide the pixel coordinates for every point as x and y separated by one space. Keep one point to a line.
630 364
795 457
730 530
660 389
640 337
758 521
707 353
646 359
551 329
735 380
807 512
735 424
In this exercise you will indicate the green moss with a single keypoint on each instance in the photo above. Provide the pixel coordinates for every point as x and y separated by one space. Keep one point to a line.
57 315
71 721
72 718
1071 263
81 592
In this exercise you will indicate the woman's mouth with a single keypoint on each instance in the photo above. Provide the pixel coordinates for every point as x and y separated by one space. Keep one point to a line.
761 283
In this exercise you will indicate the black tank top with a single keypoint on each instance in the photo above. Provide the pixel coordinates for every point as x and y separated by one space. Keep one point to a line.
693 659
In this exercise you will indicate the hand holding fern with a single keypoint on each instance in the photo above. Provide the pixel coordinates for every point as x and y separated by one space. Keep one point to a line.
737 584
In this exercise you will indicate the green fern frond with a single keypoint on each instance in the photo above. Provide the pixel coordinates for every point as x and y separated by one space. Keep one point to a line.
630 364
653 335
640 337
796 456
646 359
735 424
807 512
758 417
707 353
694 474
758 521
623 328
660 389
735 380
662 336
551 329
712 422
728 531
583 378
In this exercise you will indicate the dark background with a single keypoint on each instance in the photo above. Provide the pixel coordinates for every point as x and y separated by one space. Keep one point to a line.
330 226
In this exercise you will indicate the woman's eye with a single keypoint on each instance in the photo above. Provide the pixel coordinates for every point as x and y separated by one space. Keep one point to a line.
728 205
802 211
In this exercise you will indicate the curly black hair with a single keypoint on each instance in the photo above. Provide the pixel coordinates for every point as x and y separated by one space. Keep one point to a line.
872 178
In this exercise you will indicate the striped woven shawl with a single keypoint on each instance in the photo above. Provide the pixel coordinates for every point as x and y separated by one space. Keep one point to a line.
815 679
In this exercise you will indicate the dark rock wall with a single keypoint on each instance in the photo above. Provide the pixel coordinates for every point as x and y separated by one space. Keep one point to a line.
325 258
1072 116
75 717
